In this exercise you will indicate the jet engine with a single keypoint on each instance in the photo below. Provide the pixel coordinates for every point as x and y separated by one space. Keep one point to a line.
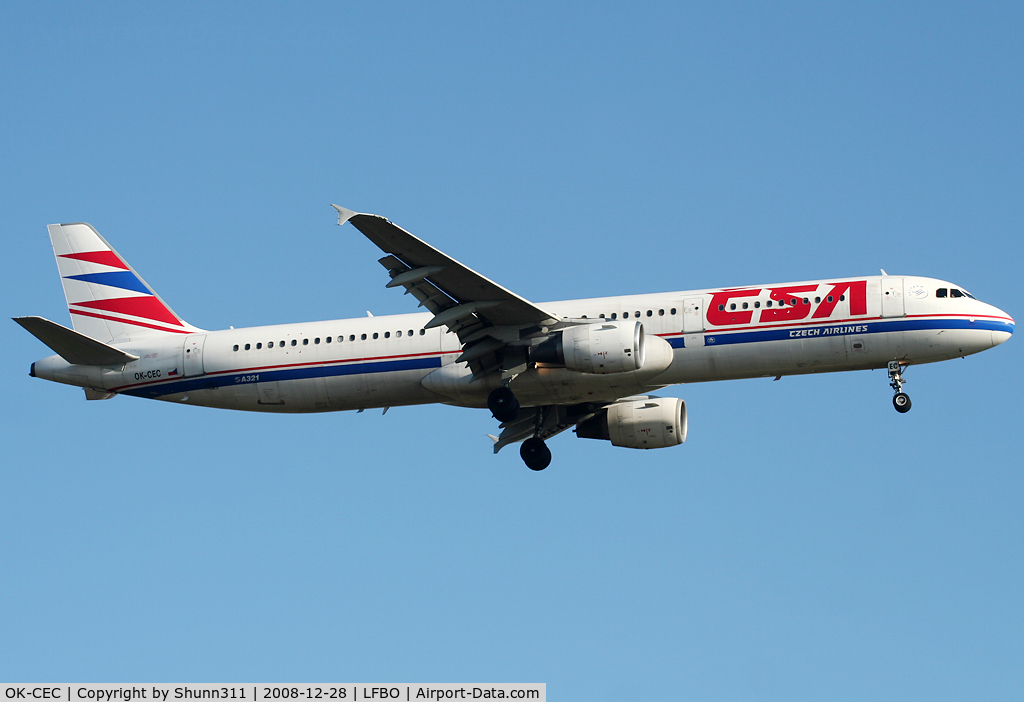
651 423
605 347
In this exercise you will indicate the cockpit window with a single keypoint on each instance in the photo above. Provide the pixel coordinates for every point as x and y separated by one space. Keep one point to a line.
953 292
941 292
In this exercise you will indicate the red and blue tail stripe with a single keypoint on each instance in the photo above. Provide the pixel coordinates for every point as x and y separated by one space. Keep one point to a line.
107 299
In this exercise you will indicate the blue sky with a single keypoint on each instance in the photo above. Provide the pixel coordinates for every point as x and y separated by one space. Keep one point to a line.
805 543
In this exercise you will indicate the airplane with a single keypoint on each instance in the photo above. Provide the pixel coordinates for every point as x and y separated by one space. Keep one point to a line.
591 365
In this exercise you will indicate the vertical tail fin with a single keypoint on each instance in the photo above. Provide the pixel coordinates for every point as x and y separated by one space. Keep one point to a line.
107 299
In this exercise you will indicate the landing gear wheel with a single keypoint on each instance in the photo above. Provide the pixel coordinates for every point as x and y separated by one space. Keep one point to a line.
503 404
535 453
901 401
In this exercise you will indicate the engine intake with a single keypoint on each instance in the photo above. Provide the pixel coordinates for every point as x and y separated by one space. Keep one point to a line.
639 424
606 347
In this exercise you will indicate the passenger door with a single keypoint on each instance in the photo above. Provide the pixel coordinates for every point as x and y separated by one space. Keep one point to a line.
892 297
192 363
693 322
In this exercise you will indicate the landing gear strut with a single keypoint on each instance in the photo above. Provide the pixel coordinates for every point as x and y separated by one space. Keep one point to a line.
901 401
505 407
503 404
535 453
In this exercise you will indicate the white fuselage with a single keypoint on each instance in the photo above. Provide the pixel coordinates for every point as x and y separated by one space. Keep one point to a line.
719 334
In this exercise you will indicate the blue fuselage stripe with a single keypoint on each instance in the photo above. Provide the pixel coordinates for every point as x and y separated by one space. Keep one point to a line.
228 379
724 337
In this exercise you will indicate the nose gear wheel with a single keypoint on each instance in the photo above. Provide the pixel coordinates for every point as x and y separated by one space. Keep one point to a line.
901 400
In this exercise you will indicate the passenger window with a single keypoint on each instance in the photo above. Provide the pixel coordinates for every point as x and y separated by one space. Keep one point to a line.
235 348
673 310
746 305
327 340
732 306
721 308
410 332
661 313
769 303
398 334
817 300
247 347
953 292
352 337
757 305
793 301
806 301
305 342
259 345
625 315
270 344
422 332
316 340
613 315
650 313
375 335
842 298
829 298
387 335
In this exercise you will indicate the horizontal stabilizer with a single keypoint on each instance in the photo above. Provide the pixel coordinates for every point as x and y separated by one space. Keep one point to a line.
72 346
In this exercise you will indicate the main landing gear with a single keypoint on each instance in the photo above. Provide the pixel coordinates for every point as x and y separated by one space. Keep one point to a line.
535 453
504 406
901 401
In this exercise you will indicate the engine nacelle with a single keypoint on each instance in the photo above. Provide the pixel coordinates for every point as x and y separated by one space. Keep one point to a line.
657 422
605 347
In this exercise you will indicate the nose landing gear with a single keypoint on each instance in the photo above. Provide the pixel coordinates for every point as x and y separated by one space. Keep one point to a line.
901 401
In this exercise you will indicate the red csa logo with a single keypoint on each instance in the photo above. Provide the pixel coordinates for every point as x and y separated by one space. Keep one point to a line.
794 301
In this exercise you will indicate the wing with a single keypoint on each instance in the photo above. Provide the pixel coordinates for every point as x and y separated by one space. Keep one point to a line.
488 319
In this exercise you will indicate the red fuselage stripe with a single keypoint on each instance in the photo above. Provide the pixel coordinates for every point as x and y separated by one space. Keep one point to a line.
826 321
253 369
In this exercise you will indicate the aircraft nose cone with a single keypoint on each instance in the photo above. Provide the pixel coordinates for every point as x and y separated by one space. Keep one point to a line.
999 337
